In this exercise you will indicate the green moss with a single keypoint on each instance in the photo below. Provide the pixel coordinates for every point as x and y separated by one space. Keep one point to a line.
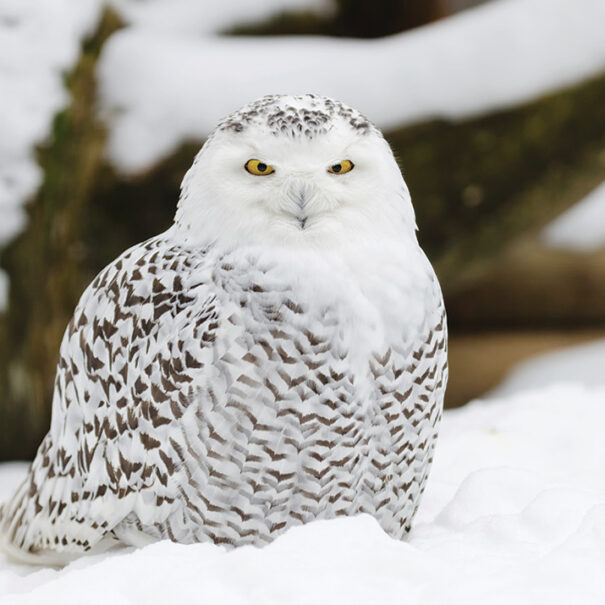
303 23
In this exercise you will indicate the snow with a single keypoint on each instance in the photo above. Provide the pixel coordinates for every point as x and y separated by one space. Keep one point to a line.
514 513
581 228
578 364
162 85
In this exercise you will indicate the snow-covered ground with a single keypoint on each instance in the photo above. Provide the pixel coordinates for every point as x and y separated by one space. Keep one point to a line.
514 513
581 228
161 86
583 364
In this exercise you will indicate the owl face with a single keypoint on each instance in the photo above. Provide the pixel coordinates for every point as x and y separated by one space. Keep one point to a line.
294 171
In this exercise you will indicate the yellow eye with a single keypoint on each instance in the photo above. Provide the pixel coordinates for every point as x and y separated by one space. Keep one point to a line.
258 168
342 167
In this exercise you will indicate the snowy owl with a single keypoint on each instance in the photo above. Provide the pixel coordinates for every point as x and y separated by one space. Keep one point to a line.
277 356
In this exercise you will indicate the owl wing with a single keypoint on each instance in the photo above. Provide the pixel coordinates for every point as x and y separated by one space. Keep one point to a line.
139 338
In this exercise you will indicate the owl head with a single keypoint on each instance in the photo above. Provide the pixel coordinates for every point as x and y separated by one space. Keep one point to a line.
294 171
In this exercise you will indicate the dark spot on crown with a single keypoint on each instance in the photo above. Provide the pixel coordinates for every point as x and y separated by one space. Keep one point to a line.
315 117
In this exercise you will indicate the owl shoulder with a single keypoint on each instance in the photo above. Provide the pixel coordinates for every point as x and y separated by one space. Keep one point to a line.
151 284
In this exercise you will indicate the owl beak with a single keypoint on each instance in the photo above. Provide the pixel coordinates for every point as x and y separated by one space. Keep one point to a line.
300 192
301 215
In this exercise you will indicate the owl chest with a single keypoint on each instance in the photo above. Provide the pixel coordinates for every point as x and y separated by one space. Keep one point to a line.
303 411
305 314
293 376
298 425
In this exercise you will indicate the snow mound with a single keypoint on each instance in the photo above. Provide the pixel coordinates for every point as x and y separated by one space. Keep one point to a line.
581 364
514 513
161 86
581 228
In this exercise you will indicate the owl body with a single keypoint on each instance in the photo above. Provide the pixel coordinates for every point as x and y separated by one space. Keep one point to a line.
221 389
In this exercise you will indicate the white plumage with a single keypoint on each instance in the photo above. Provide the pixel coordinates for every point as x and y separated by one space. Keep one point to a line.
277 356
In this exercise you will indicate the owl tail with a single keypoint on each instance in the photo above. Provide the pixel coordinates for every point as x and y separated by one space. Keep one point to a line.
29 534
17 520
12 516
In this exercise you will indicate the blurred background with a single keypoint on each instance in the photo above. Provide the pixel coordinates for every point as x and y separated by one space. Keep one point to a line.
495 110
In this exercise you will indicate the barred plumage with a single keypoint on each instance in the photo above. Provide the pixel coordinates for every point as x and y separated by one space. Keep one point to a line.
223 391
